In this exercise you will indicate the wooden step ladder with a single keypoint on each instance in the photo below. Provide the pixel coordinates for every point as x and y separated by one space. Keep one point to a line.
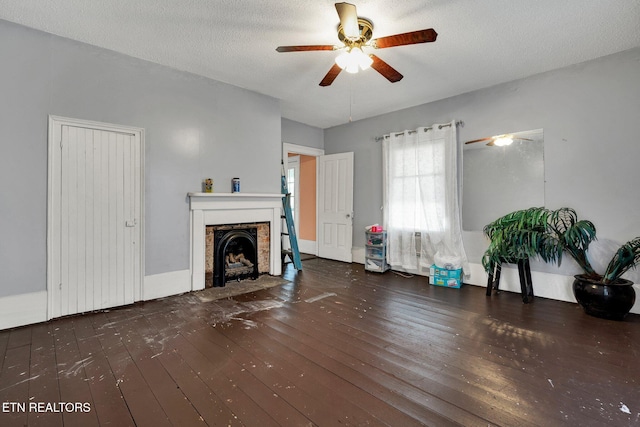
294 252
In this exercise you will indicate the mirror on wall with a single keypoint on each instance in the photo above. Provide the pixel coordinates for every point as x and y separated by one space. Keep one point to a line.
501 177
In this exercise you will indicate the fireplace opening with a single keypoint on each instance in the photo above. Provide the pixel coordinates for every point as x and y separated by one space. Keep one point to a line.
235 255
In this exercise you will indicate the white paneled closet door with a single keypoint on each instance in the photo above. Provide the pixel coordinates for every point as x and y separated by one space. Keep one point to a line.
100 220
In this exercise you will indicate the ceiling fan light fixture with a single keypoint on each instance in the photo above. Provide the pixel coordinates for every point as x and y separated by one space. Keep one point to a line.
343 60
363 61
352 68
353 60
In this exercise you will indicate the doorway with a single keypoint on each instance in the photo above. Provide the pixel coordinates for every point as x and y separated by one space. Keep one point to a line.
94 222
300 164
332 207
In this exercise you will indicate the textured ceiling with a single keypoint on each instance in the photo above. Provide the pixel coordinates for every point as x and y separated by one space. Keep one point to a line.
480 44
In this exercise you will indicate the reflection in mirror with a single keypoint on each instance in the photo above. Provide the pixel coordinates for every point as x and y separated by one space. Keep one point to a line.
501 177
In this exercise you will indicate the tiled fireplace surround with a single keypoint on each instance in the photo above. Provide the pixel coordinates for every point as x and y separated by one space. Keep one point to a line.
232 208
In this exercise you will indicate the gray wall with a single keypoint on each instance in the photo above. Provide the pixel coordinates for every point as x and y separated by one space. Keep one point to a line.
589 112
301 134
195 128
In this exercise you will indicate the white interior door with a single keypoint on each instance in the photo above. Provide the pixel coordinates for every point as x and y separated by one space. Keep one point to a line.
335 206
96 194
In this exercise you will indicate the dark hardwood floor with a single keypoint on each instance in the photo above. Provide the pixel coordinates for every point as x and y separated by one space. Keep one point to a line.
336 346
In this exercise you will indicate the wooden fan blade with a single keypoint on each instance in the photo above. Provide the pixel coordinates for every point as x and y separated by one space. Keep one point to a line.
331 75
479 140
305 48
413 37
385 69
349 20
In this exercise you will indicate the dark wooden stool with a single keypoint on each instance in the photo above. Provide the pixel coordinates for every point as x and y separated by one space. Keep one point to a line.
524 271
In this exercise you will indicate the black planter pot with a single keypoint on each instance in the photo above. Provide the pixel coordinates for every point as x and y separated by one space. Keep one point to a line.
610 301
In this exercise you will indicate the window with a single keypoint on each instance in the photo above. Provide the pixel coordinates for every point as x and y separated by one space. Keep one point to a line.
416 187
420 206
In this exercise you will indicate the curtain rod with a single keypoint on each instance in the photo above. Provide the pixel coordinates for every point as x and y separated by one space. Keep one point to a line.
458 123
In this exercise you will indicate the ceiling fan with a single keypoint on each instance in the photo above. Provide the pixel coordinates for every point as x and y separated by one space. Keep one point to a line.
355 33
499 140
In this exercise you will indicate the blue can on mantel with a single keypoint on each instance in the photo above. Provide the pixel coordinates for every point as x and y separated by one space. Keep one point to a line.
235 185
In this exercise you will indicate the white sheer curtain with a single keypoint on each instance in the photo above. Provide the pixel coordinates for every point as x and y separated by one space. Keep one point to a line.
422 197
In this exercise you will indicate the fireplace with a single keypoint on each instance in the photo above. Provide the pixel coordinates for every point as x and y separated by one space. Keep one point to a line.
236 252
235 255
241 211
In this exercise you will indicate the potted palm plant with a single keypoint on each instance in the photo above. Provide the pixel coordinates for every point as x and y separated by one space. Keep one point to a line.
549 234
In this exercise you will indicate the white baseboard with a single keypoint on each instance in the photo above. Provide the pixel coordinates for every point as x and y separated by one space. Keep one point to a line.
25 309
166 284
546 285
357 254
307 247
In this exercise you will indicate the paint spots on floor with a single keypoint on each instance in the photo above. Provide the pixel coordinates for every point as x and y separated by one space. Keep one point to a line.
321 296
76 368
225 311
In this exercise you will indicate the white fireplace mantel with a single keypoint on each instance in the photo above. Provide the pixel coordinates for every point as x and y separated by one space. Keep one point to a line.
232 208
